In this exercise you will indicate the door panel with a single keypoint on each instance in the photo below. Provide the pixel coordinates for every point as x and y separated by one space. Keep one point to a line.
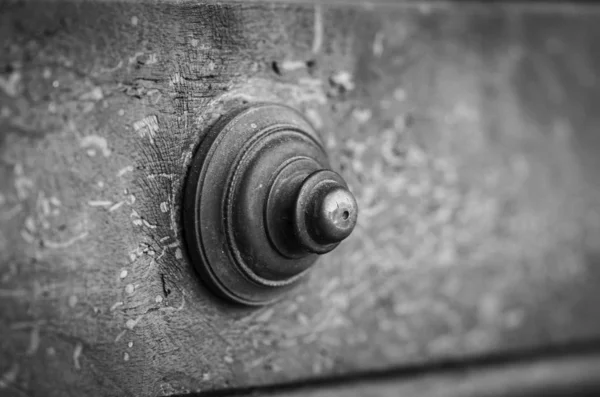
468 134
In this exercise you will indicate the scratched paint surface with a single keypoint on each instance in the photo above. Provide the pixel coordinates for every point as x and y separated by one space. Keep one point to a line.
467 137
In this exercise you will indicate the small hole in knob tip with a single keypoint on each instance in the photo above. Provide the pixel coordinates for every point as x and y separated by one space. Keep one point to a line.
345 215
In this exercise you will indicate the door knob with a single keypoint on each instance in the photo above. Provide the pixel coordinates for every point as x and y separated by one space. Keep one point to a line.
261 204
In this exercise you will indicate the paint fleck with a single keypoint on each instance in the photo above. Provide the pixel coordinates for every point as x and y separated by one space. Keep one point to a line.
162 175
124 170
162 253
147 127
126 357
130 344
76 354
129 289
135 56
116 206
152 59
228 359
123 274
97 142
30 224
137 220
318 30
72 301
158 299
362 115
164 206
194 42
47 73
121 334
93 95
343 80
131 323
134 20
121 112
178 254
148 224
55 202
114 307
23 185
290 66
66 243
100 203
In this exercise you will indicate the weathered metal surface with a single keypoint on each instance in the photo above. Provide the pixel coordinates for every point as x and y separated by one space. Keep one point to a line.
468 134
574 372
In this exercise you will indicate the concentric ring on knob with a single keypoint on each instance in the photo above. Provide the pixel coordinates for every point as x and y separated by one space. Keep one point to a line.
254 171
325 212
334 216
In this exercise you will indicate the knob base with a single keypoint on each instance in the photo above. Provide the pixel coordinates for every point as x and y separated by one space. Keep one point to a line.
237 213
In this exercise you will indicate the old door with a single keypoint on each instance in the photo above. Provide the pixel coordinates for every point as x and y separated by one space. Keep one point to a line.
467 133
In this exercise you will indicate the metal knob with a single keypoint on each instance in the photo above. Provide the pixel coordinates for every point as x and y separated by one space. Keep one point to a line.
325 212
261 204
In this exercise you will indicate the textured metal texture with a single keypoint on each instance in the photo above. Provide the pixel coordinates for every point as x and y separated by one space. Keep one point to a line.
468 135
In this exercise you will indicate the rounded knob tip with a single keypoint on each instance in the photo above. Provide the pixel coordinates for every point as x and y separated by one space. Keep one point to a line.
325 212
335 215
